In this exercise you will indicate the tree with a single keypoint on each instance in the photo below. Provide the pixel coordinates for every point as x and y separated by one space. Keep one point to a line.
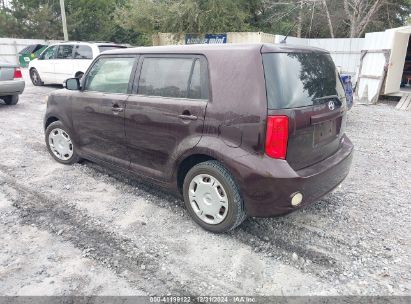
133 21
194 16
360 13
31 19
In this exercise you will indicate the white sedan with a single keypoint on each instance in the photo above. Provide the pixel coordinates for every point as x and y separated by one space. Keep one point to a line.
11 83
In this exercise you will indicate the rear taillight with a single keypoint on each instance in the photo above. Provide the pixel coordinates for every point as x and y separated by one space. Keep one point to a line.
17 73
277 136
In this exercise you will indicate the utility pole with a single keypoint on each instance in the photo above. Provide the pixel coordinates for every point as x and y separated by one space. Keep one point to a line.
300 19
63 19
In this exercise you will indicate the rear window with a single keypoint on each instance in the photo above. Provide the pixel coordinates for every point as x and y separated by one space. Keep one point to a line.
300 79
104 48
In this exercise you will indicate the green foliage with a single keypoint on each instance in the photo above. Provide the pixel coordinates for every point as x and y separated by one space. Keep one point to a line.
31 19
133 21
194 16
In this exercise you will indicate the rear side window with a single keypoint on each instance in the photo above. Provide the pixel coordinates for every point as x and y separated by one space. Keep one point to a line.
110 75
173 77
83 52
65 52
300 79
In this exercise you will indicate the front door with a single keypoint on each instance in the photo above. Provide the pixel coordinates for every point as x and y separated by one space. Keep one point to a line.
98 109
165 115
45 64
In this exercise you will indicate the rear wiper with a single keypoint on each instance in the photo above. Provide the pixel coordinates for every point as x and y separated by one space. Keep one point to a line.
327 97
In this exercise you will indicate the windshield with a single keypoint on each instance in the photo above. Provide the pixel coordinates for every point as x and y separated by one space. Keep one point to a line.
300 79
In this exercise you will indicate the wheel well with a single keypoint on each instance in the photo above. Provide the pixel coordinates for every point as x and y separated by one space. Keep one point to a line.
187 164
50 120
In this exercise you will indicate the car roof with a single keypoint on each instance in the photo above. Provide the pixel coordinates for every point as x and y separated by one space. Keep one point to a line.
208 48
98 43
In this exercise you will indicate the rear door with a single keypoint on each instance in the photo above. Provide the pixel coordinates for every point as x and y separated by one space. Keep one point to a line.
63 64
306 87
165 115
83 57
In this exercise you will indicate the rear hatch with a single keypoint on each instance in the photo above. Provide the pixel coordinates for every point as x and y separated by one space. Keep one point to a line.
7 71
305 86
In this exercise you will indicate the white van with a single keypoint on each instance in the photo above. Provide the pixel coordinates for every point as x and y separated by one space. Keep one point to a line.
66 60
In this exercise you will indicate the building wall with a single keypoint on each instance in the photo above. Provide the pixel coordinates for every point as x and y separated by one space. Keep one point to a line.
346 52
9 47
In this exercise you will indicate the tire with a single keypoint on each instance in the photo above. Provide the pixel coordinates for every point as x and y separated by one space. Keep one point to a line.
67 157
35 78
234 213
11 100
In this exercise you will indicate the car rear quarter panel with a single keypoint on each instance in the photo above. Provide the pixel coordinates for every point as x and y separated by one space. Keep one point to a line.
236 112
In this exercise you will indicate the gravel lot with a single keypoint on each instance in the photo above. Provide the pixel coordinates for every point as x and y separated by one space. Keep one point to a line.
84 230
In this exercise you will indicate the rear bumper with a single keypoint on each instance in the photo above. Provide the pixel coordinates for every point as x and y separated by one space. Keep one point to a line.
267 189
11 87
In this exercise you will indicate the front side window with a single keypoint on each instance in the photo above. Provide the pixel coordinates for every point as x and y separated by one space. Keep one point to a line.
65 52
110 75
49 53
171 77
83 52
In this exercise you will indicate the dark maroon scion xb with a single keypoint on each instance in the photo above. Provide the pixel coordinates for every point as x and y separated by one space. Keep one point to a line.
237 130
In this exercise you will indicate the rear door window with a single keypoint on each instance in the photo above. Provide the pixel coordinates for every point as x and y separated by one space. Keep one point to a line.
110 75
300 79
173 77
65 52
83 52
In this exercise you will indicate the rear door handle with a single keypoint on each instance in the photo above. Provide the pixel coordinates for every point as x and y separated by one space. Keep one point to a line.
116 109
188 117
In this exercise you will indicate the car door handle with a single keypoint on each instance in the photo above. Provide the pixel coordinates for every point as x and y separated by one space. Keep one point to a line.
116 109
187 117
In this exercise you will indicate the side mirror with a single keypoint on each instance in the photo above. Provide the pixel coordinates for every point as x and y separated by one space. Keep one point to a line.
72 84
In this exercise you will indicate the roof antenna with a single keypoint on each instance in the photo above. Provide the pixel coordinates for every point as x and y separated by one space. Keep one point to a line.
286 36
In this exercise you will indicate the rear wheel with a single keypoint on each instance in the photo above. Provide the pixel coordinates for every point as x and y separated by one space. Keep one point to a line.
60 145
213 198
11 100
35 78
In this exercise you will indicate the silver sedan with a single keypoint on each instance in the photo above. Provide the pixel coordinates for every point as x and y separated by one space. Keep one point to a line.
11 83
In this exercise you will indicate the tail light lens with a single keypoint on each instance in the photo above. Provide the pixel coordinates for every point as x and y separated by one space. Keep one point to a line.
277 136
17 73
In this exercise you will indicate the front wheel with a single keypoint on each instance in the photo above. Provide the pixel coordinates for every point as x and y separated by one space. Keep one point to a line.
60 145
213 198
35 78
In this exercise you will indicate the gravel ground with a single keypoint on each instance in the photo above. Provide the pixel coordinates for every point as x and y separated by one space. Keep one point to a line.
85 230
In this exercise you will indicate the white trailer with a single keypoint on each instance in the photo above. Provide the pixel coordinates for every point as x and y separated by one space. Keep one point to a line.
385 67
